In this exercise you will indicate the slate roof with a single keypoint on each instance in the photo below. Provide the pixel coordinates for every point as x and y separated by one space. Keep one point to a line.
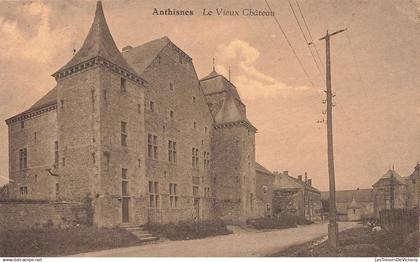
49 99
98 42
346 196
229 112
386 178
261 169
142 56
302 183
215 82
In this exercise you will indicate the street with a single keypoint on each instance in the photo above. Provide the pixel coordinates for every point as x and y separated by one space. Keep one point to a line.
241 244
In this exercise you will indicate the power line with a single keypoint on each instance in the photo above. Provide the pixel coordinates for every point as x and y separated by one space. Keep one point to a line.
291 46
309 31
306 40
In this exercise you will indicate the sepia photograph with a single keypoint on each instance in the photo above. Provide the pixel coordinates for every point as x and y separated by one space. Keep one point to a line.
275 129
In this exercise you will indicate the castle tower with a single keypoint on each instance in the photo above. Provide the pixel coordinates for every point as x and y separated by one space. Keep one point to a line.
233 151
100 127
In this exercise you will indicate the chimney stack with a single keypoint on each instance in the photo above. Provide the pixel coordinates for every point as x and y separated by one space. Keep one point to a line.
310 182
286 173
300 178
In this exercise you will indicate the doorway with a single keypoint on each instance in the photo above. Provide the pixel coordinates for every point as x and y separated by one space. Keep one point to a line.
196 210
125 212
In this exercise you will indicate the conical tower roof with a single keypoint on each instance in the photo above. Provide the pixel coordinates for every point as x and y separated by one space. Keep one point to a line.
98 43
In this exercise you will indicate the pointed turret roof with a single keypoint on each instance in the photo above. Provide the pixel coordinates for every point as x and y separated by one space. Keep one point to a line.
98 43
353 204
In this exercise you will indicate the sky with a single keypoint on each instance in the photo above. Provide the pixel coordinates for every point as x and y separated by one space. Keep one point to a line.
375 72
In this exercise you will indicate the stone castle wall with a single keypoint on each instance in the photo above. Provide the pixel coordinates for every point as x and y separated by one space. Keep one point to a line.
37 134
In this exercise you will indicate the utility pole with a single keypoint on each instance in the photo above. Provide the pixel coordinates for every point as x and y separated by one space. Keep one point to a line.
332 225
391 190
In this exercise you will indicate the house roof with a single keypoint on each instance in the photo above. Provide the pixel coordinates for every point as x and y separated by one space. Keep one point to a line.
142 56
302 183
48 99
98 42
386 179
261 169
346 196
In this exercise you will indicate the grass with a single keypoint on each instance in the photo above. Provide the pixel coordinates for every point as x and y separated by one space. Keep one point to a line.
60 242
189 230
357 242
277 223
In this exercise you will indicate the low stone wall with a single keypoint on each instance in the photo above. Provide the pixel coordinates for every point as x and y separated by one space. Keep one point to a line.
21 215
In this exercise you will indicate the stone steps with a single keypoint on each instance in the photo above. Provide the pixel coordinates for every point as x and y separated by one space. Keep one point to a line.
139 232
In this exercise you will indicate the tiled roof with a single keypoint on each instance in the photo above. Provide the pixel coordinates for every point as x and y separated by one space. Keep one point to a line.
98 42
346 196
260 168
142 56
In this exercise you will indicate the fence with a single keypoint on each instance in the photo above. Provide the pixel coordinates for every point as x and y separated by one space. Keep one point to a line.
401 222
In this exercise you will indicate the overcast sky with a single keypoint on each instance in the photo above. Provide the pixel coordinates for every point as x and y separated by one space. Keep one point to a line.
375 67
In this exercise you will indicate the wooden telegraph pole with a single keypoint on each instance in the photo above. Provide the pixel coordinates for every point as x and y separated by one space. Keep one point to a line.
332 226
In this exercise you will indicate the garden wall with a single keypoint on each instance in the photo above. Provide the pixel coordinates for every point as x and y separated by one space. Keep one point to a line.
21 215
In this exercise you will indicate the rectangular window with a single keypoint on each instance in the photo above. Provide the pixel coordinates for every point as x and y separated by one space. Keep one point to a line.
152 106
124 182
155 147
171 114
123 133
22 124
57 190
123 85
154 194
173 197
171 151
56 155
195 190
152 146
23 159
194 153
23 190
206 160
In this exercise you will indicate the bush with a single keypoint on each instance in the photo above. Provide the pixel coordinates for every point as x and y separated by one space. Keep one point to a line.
273 223
185 230
60 242
303 221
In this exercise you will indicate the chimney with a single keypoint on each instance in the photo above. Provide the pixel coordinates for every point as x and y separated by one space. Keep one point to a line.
310 182
300 178
276 172
306 177
286 173
126 48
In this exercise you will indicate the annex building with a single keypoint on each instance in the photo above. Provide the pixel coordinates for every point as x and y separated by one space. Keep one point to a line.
139 135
